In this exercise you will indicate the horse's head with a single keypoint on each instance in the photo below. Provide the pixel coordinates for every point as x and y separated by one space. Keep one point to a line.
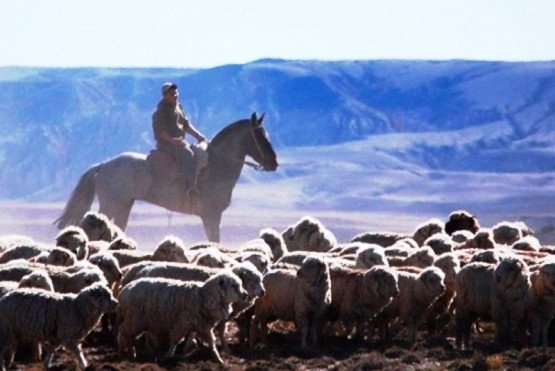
258 145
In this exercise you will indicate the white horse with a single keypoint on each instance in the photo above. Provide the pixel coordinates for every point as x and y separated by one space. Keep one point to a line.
120 181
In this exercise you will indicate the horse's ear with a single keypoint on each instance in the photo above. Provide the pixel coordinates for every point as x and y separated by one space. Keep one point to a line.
253 118
261 118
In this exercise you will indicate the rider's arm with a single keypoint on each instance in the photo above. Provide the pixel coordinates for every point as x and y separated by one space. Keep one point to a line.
189 128
166 137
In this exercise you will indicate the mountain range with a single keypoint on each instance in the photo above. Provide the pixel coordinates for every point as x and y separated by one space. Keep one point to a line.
396 136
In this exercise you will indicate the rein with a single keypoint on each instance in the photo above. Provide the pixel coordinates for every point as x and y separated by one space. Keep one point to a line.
252 164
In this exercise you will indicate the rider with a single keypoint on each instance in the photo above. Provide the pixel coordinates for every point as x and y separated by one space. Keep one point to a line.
170 124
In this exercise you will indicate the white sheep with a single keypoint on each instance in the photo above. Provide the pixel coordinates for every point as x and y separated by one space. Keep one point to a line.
460 236
527 243
12 240
426 230
542 302
37 279
34 315
56 256
416 293
440 243
275 240
511 300
383 239
309 234
24 251
109 267
475 287
97 226
173 309
369 256
75 240
171 248
359 295
301 296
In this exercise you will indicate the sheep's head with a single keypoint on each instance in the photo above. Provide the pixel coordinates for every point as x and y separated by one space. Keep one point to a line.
37 279
528 243
450 265
251 279
259 260
231 288
123 243
75 240
547 275
108 265
61 257
98 298
422 258
432 279
370 256
171 249
424 231
316 273
275 241
382 285
511 272
487 256
97 226
211 258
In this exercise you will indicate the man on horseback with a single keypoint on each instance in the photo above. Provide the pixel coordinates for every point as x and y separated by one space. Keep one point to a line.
170 124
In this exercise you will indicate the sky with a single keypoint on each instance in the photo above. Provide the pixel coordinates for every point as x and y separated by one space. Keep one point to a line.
207 33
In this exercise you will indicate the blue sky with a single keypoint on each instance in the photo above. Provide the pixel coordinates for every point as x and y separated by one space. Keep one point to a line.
205 33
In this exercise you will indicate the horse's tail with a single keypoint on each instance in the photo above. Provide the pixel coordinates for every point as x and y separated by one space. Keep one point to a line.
81 199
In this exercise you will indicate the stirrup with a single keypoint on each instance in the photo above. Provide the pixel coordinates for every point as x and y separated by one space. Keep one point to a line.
192 192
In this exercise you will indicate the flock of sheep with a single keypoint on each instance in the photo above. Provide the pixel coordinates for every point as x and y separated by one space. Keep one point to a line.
440 279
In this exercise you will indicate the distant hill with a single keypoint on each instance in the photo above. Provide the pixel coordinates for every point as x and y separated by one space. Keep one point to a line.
450 116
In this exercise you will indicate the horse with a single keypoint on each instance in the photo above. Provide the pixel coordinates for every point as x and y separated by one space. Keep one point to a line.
121 180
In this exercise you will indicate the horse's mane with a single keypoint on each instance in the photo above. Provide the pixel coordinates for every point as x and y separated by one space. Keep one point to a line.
226 131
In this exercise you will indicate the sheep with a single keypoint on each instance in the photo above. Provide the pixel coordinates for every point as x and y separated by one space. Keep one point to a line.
170 270
59 256
123 243
507 233
300 296
33 315
542 302
251 280
511 299
171 248
97 226
37 279
211 257
461 219
109 267
416 293
369 256
359 295
75 240
426 230
383 239
297 257
309 234
173 309
12 240
475 288
460 236
483 239
528 243
257 245
7 286
450 265
440 243
24 251
259 260
422 258
491 256
275 240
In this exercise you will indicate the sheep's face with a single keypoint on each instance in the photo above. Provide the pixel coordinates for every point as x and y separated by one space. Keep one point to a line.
450 266
510 272
313 270
100 298
547 272
95 226
259 261
231 289
87 278
210 260
369 257
433 280
123 243
170 251
382 285
61 257
251 280
74 242
110 267
422 233
422 258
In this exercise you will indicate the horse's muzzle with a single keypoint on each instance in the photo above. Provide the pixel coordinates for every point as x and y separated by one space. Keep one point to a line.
271 165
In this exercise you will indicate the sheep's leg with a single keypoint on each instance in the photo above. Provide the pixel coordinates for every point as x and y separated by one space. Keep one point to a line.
9 352
253 330
125 344
49 351
220 330
75 347
212 345
313 332
36 352
302 325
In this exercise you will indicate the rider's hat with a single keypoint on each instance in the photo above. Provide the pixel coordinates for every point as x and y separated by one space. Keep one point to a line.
167 86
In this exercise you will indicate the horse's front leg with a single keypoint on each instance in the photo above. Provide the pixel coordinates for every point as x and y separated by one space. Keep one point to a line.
211 222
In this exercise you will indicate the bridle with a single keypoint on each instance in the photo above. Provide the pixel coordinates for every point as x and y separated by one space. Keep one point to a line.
258 147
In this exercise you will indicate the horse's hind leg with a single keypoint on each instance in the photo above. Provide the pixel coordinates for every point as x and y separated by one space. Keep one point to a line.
116 210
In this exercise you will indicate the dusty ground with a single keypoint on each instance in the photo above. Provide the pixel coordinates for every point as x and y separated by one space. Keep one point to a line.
283 353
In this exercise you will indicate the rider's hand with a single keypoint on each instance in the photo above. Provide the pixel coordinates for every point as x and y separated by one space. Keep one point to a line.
201 139
178 141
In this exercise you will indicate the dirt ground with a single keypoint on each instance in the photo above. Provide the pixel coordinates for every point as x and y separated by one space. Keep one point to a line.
335 353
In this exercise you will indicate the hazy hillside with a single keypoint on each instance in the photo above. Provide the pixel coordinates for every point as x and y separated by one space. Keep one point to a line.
397 136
